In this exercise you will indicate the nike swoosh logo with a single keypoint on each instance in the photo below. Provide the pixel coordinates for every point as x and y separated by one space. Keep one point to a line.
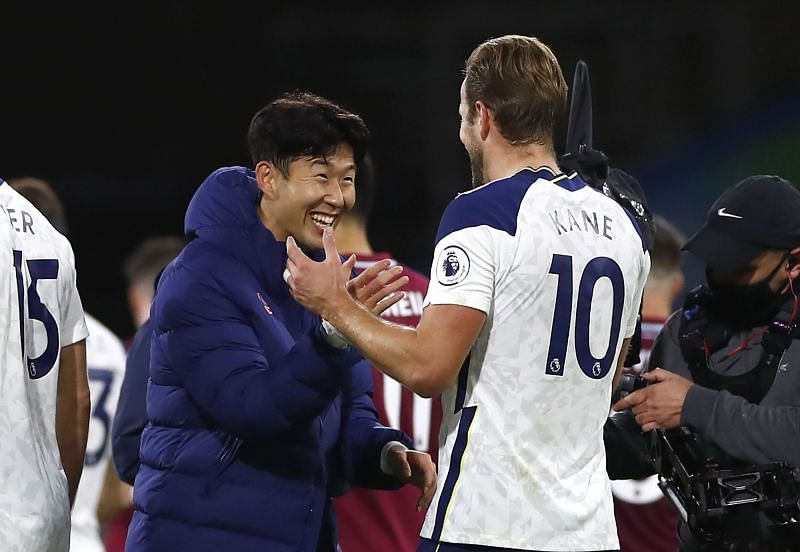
723 213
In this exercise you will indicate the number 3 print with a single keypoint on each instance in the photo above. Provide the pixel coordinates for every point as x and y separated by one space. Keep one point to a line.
104 378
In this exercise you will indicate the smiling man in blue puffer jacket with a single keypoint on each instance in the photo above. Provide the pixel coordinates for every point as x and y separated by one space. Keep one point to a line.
257 414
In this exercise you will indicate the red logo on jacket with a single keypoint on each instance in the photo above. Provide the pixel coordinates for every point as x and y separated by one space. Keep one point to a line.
266 307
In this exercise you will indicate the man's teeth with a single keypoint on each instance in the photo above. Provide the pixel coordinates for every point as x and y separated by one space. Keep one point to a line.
322 220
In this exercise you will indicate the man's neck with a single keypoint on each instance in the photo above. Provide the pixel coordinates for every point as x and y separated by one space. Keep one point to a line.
351 237
656 306
269 222
503 160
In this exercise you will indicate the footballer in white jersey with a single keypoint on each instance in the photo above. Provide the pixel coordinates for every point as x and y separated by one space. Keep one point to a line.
558 269
534 292
105 360
44 302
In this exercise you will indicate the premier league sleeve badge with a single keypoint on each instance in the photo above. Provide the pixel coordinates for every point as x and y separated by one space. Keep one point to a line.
452 265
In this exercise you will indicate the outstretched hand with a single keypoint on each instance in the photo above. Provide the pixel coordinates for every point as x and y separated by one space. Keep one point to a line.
317 285
414 467
376 287
321 286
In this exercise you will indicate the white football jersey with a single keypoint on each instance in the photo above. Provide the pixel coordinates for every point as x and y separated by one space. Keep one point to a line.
46 315
105 360
559 270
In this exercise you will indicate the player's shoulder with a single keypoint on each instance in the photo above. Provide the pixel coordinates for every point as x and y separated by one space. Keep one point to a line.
7 234
31 227
195 287
102 341
496 204
598 201
636 233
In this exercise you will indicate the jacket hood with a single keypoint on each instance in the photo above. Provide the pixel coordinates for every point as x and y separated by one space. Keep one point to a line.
223 212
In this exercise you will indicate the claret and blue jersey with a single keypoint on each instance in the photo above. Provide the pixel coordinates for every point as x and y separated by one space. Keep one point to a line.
558 269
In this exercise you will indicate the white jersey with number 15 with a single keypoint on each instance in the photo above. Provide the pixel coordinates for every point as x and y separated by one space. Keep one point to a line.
46 314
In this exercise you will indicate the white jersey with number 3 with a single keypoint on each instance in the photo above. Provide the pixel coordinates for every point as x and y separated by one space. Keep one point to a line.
41 313
558 269
105 360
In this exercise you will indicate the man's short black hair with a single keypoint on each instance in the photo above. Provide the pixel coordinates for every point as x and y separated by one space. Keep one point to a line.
302 124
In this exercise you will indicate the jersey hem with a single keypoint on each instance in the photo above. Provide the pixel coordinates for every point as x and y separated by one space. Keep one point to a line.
77 335
500 542
458 298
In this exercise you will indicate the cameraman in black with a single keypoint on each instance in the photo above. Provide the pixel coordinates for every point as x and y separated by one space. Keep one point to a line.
727 368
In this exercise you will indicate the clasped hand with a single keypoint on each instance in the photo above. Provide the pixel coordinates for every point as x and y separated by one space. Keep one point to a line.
322 286
416 468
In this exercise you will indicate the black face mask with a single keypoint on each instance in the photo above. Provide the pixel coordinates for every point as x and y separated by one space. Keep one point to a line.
746 306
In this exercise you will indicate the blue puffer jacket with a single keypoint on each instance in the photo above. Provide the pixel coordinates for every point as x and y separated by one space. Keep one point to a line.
252 418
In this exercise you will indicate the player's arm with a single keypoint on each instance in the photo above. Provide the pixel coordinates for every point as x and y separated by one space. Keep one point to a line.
130 418
72 412
631 322
623 353
115 496
426 359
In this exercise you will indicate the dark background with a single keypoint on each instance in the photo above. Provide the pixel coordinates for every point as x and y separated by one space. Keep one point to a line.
126 111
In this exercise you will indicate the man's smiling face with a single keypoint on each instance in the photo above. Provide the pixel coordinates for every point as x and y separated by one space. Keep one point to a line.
312 196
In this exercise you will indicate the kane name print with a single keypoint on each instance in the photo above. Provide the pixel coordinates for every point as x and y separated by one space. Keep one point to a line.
565 221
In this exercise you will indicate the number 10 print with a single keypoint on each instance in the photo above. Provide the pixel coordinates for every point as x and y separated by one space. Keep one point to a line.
599 267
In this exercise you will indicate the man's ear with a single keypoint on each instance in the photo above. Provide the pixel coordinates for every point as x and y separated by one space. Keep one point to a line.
484 119
678 282
266 175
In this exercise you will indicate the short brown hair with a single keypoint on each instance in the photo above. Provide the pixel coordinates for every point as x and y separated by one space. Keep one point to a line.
519 79
42 196
150 257
666 252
